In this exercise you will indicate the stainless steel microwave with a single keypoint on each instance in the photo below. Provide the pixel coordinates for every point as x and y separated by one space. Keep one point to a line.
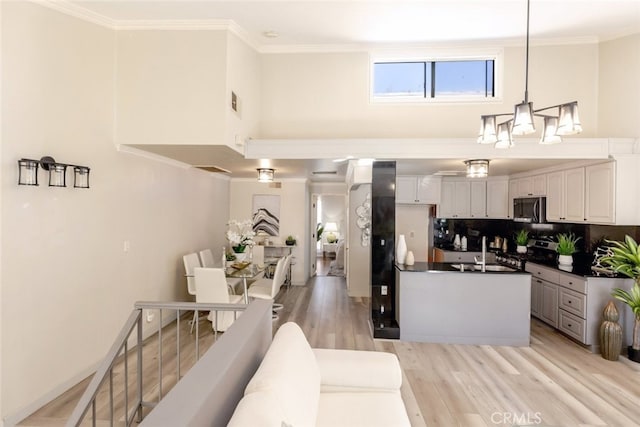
530 209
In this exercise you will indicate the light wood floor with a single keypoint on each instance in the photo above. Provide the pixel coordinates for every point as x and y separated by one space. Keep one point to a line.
554 382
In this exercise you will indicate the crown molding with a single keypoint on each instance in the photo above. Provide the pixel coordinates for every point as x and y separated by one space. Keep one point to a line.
76 11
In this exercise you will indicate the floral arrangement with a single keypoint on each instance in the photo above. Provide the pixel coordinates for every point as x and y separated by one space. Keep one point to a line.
240 234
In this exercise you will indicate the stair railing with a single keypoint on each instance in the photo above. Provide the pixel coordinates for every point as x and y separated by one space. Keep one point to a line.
120 351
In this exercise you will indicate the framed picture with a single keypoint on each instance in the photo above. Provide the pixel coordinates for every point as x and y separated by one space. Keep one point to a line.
266 214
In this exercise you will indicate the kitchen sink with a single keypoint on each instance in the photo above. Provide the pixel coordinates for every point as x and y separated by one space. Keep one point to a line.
477 267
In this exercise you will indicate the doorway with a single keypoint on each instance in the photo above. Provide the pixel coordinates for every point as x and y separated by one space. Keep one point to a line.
331 222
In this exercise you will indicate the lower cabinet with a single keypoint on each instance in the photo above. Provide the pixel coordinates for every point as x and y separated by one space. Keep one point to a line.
549 303
572 304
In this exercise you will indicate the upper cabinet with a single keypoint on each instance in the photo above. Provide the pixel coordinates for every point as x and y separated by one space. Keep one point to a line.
565 195
455 201
530 186
474 198
600 195
498 198
418 190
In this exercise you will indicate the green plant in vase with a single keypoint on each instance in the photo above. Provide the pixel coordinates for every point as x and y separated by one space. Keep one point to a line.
522 238
290 240
626 260
566 247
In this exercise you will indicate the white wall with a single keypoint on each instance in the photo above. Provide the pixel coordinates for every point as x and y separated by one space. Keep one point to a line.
244 79
67 284
310 95
294 216
619 87
413 222
358 257
171 87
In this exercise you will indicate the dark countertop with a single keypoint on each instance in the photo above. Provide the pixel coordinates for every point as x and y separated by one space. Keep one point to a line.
445 267
580 268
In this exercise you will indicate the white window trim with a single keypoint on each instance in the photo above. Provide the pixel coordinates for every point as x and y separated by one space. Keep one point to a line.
444 54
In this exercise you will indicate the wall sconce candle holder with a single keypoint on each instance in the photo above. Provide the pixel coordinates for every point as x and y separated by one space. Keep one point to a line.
28 172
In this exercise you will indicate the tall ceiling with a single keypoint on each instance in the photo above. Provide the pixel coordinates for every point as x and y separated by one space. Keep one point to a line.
333 25
340 23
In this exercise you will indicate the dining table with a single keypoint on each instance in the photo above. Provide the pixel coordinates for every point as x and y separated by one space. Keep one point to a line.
248 272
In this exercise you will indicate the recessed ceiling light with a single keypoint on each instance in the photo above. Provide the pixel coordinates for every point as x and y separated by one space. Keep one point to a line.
270 34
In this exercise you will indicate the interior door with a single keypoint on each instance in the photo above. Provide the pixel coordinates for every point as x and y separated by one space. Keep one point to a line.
313 223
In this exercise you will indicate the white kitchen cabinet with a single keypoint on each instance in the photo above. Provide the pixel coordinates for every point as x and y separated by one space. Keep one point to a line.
600 193
536 297
478 201
530 186
565 195
571 303
498 199
456 199
549 302
418 190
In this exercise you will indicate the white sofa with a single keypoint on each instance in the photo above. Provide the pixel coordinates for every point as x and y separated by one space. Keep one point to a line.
298 386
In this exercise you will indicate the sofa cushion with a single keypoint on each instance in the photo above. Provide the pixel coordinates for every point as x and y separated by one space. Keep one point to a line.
289 371
258 409
353 370
362 410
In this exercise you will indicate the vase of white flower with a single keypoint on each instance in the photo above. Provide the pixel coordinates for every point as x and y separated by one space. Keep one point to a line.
240 234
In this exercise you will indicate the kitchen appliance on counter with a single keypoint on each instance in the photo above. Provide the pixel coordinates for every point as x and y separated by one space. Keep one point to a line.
541 251
530 209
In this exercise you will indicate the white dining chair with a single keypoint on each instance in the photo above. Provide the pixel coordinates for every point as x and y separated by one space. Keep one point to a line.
191 262
211 287
268 288
207 260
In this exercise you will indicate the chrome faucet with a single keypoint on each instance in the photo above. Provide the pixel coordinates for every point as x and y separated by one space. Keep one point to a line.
483 262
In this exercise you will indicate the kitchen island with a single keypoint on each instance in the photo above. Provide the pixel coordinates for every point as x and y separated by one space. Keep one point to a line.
441 304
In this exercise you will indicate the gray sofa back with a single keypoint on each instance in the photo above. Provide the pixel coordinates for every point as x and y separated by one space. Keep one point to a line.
208 394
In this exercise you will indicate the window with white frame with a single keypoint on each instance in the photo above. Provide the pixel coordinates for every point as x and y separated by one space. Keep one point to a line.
444 80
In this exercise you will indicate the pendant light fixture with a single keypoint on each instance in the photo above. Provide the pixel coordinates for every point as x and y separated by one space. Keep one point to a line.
521 122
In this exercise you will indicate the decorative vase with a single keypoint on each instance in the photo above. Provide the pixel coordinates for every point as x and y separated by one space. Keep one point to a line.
633 354
610 333
521 249
410 259
565 259
239 252
401 250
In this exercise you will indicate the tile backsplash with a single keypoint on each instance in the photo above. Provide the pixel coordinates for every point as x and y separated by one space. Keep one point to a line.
444 231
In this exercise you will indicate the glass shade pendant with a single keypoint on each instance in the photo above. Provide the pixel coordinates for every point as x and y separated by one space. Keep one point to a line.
81 177
57 175
504 136
569 121
487 133
549 135
265 175
27 172
523 119
478 168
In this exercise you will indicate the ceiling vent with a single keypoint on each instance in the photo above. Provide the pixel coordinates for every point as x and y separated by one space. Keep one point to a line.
214 169
324 172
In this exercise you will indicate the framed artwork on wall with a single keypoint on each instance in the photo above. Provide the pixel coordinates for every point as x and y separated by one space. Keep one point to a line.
266 214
